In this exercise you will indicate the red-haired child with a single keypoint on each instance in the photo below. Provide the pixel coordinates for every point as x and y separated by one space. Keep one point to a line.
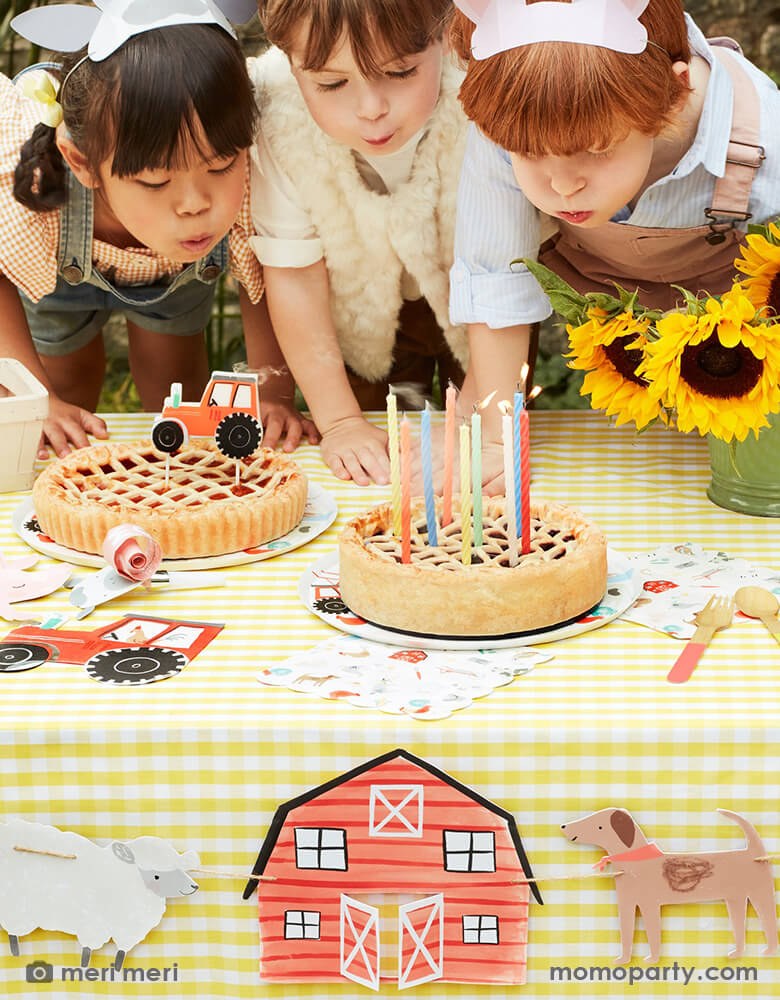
648 147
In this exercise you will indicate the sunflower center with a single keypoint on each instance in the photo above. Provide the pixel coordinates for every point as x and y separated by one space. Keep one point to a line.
773 297
624 361
718 371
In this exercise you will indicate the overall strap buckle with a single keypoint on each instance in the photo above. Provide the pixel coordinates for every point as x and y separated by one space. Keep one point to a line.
722 221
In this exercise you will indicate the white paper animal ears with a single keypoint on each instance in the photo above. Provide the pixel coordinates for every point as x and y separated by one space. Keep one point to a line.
67 27
505 24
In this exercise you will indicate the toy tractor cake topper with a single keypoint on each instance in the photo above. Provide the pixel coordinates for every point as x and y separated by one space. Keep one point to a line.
229 411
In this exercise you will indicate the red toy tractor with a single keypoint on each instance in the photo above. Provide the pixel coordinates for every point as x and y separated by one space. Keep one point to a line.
229 411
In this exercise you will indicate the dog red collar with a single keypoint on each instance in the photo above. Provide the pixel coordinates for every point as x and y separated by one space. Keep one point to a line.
643 853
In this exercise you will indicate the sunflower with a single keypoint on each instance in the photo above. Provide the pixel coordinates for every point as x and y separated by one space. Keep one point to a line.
719 369
760 261
610 349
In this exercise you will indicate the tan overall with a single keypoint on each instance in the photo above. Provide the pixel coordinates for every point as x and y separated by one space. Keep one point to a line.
700 259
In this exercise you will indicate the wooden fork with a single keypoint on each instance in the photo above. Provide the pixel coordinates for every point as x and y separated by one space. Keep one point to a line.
716 614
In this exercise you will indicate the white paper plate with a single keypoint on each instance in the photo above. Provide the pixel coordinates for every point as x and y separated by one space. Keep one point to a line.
318 588
319 514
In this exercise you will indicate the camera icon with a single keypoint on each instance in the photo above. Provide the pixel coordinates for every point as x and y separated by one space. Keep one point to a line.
40 972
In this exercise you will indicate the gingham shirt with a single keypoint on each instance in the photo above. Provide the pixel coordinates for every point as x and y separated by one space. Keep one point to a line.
496 223
29 240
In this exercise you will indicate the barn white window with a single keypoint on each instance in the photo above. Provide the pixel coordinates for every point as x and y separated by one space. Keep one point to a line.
396 811
302 924
480 928
321 847
469 851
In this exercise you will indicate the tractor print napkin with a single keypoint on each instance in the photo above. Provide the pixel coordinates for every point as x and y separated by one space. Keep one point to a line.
424 684
679 578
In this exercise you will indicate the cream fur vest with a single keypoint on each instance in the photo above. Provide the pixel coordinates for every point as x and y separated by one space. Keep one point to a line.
369 238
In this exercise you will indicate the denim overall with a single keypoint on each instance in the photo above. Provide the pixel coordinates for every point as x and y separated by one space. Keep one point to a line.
75 312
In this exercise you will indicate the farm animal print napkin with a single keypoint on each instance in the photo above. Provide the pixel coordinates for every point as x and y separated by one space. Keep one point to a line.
679 578
424 684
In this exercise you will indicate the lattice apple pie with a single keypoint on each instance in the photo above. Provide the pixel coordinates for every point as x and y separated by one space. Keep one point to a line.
202 512
564 574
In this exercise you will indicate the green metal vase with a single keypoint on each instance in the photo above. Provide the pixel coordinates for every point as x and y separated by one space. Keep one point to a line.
746 474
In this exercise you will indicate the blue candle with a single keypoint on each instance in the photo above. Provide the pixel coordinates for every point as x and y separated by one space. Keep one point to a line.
430 505
519 402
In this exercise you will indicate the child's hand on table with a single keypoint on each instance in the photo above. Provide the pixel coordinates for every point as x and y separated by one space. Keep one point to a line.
355 449
492 465
67 427
492 468
283 420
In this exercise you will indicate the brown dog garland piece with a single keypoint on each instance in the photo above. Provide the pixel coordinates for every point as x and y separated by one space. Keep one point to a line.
647 878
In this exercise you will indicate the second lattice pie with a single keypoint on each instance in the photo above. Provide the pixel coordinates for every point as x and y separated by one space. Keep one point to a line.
201 511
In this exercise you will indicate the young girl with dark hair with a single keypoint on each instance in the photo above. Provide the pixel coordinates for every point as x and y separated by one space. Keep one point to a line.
648 147
130 195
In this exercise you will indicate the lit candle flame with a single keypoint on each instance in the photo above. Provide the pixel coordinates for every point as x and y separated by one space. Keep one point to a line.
521 385
486 401
536 391
505 406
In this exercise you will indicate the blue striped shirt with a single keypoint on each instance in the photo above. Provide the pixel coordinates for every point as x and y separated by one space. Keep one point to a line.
496 223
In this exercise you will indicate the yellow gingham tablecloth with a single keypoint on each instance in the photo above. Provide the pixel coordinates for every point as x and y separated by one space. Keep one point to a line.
205 758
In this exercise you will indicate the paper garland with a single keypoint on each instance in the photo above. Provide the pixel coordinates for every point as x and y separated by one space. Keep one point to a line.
393 837
648 878
61 881
394 826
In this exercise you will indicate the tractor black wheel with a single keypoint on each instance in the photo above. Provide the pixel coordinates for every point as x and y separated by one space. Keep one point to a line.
168 436
135 665
18 656
238 435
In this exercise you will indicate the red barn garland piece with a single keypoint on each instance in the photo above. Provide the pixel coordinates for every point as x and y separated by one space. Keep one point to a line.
393 858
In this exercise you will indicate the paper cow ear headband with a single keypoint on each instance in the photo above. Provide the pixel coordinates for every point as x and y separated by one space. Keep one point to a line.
109 24
505 24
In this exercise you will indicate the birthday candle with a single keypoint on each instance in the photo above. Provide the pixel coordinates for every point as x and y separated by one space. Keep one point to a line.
395 473
465 495
511 520
430 505
525 482
449 454
476 474
406 491
519 404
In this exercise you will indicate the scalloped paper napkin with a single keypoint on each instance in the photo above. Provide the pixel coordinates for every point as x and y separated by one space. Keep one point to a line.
424 684
679 578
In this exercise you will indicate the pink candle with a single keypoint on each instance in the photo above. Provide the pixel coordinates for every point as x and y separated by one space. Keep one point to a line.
449 454
525 482
406 491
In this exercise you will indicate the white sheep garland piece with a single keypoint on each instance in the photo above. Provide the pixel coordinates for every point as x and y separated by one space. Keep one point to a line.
112 892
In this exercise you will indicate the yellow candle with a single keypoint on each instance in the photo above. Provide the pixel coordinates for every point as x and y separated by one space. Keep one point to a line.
406 491
449 454
465 494
395 465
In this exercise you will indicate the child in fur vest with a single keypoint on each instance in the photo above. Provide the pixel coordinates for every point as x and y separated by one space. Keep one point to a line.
354 185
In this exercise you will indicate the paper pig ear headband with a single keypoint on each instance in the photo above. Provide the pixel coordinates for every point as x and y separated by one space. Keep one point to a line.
109 24
505 24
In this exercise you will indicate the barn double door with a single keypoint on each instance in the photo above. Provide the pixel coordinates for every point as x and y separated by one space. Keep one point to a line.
420 941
